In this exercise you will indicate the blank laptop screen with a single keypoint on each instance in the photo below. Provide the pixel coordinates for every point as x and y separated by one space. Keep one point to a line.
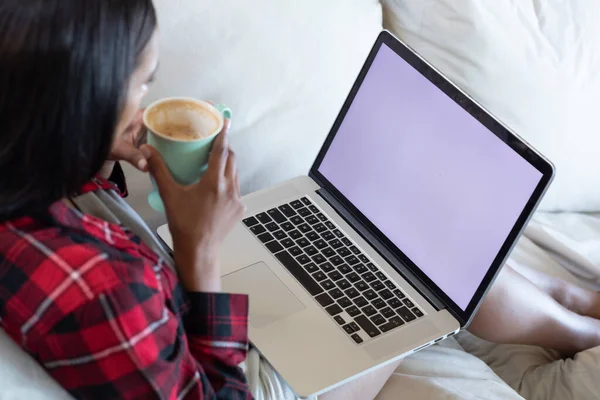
438 184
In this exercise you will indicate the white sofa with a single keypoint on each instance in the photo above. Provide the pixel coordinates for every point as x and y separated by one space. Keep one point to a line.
286 66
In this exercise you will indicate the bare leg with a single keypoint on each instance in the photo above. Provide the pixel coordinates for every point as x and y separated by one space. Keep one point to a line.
518 312
573 297
363 388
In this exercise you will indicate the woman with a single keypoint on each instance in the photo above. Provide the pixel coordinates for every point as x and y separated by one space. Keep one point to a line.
85 288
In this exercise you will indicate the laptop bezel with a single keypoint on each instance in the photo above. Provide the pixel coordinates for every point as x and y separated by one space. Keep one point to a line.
483 116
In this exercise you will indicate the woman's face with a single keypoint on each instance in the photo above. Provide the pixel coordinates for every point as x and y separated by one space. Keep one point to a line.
131 118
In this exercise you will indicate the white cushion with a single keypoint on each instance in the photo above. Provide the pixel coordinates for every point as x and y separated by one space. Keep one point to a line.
535 64
284 67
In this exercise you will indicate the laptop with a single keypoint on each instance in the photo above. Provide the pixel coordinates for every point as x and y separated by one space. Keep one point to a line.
391 242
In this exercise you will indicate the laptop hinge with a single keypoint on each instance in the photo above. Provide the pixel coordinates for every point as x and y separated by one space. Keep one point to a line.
423 289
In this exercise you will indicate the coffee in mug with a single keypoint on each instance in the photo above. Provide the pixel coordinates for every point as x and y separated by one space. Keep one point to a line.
183 120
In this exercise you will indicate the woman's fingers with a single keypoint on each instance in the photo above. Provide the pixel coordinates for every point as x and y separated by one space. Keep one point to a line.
160 172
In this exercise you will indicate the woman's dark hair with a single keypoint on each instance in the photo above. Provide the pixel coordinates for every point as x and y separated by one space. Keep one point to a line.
65 67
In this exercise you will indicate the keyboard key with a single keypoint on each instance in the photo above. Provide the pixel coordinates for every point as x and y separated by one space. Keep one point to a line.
353 311
295 251
390 285
361 302
395 303
287 243
369 277
355 250
296 220
280 235
302 242
322 217
338 233
386 294
367 326
319 276
336 261
296 204
335 275
319 228
343 284
406 314
352 260
369 310
330 225
353 277
372 267
356 337
376 285
328 252
334 309
408 303
335 243
324 300
312 220
352 293
265 237
311 268
361 285
264 218
276 215
287 226
313 236
328 285
327 235
344 252
388 312
361 269
326 267
381 276
379 304
303 259
306 201
339 320
304 228
258 229
349 330
377 319
344 269
313 209
287 210
399 294
354 326
417 312
392 323
347 242
319 259
363 258
299 273
370 294
320 243
295 234
272 227
311 250
336 293
304 212
344 302
250 222
274 247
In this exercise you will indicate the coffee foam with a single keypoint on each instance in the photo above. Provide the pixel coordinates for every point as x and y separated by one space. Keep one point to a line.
182 120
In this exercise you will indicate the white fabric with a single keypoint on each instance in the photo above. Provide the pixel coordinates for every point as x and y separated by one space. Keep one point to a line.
535 64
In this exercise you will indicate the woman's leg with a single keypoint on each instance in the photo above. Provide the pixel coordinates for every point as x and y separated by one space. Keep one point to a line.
516 311
573 297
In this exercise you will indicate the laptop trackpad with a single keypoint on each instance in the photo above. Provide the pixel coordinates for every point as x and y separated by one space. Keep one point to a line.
270 299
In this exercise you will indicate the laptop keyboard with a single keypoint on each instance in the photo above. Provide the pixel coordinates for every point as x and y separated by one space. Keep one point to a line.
357 294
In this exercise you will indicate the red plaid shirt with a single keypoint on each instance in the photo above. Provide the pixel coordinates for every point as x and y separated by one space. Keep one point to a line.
108 319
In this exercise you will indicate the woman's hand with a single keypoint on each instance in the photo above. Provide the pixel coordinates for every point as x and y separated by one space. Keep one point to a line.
201 215
125 148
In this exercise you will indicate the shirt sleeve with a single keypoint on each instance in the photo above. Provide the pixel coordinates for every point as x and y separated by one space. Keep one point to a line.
129 343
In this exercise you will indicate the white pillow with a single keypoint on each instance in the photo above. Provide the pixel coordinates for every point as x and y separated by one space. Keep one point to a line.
535 64
284 67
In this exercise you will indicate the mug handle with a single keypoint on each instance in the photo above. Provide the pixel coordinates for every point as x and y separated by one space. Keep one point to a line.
226 111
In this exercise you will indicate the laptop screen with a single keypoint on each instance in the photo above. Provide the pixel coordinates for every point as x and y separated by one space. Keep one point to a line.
434 180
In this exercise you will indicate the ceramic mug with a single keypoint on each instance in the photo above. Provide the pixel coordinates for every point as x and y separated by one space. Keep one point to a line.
187 159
